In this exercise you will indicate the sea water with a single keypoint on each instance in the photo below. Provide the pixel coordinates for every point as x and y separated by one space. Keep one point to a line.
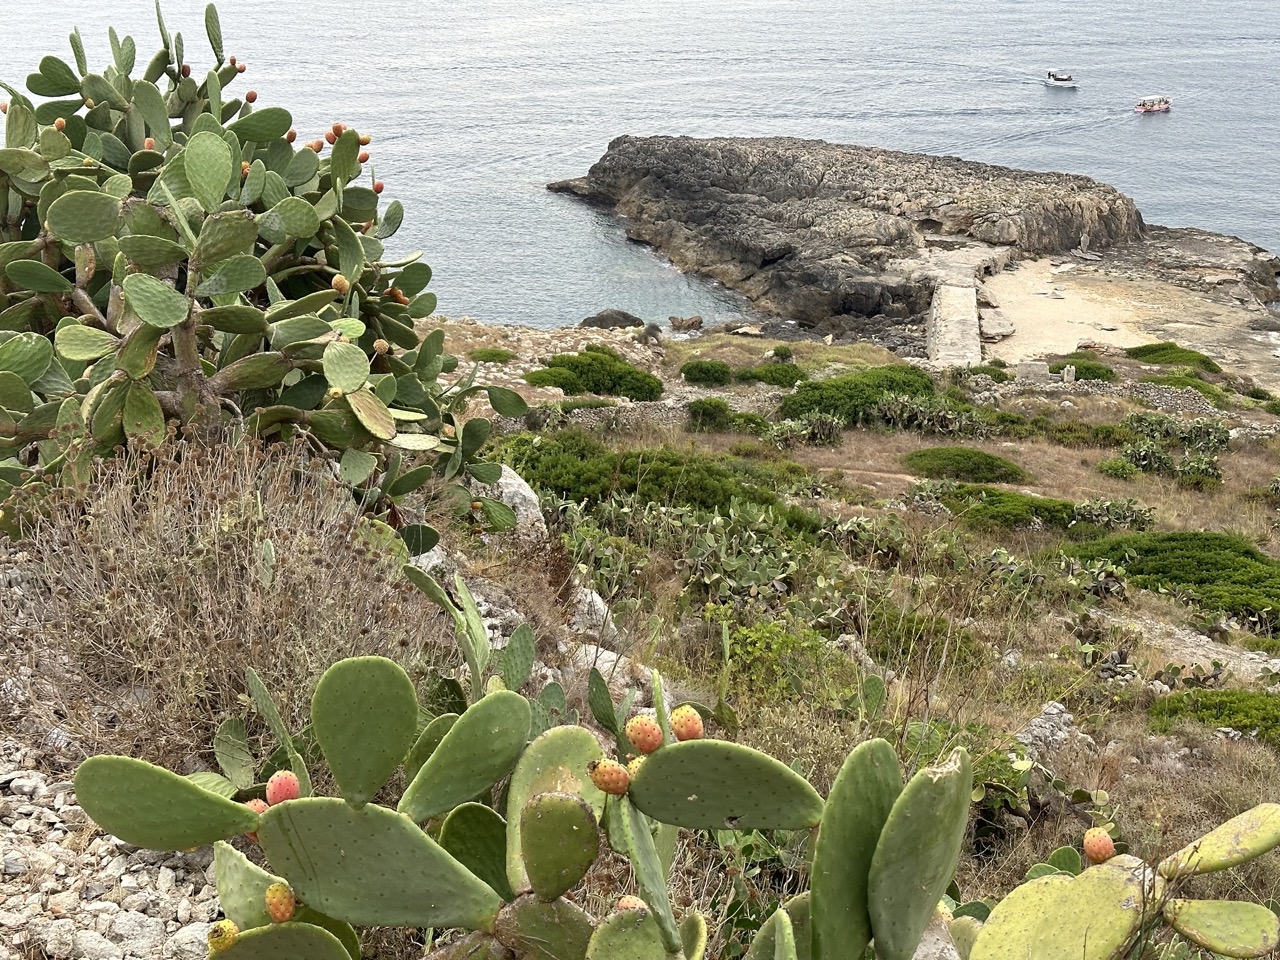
474 105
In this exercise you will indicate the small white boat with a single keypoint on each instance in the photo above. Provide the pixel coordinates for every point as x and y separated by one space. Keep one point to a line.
1059 79
1153 105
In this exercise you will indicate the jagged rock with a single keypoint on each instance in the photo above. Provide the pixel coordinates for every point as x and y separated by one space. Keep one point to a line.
995 325
685 324
512 490
591 617
612 320
842 239
1050 732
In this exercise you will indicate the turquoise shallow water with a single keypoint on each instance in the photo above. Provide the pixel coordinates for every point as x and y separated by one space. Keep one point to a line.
476 104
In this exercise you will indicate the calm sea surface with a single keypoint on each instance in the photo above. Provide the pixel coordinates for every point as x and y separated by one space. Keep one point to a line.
475 104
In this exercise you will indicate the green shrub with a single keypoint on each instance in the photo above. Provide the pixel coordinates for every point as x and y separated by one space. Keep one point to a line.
986 508
1258 393
709 416
1117 468
853 397
782 353
585 403
1215 395
1272 407
1243 710
1170 354
900 637
597 370
706 373
1218 571
774 660
1085 369
557 377
998 373
998 363
963 463
491 355
774 374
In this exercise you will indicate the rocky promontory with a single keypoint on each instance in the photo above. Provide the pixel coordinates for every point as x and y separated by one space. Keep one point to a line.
844 239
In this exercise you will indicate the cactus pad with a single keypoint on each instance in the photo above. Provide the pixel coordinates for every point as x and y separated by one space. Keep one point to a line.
964 934
1090 917
715 785
1237 841
477 837
427 742
693 935
1226 927
372 866
650 875
241 885
479 748
544 931
286 941
765 944
916 855
150 807
857 808
627 935
556 762
560 839
365 716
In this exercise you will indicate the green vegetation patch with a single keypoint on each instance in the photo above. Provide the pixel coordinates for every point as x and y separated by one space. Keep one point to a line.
1221 572
597 370
853 397
1243 710
996 370
707 373
964 463
491 355
986 508
774 374
1172 355
1085 369
1215 395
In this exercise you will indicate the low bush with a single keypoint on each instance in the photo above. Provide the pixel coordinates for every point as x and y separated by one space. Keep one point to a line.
597 370
709 415
774 374
1085 369
782 353
491 355
1118 468
986 508
995 370
900 638
1272 407
1080 433
1170 354
706 373
1244 710
964 463
1219 571
1258 393
853 397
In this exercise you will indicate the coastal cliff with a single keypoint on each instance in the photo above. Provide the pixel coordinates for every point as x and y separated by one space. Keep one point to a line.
843 239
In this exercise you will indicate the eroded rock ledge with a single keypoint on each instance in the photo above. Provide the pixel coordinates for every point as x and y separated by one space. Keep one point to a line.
843 239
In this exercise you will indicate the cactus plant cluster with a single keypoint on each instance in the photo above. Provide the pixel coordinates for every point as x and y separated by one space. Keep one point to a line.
499 864
169 256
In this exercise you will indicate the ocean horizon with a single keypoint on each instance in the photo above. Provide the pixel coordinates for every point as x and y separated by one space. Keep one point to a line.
474 106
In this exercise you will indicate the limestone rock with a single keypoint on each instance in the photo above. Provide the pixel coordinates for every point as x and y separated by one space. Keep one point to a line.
1033 371
685 324
995 325
612 320
512 490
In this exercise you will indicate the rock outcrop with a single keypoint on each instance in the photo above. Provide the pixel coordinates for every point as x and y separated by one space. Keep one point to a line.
842 239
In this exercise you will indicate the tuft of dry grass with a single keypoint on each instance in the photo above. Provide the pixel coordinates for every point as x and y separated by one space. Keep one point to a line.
185 566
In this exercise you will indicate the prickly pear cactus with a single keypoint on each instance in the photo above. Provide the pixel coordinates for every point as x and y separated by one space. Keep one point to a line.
169 254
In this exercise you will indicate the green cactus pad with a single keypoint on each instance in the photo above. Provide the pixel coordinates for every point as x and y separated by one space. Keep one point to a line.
154 301
556 762
480 747
560 839
372 866
857 808
1237 841
347 936
627 935
286 941
427 742
84 216
765 944
784 938
544 931
365 717
693 935
1226 927
916 855
1090 917
241 885
477 837
964 934
150 807
345 366
28 355
79 343
475 946
715 785
650 875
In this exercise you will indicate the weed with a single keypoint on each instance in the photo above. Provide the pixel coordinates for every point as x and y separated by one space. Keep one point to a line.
1170 354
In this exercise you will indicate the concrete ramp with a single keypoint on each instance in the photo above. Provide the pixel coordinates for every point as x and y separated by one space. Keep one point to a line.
953 334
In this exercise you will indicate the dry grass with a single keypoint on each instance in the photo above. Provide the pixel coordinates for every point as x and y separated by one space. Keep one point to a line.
810 356
154 596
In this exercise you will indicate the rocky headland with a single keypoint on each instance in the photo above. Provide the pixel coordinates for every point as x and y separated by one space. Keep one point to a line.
854 242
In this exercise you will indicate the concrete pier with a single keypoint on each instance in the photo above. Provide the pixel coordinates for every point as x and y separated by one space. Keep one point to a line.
953 332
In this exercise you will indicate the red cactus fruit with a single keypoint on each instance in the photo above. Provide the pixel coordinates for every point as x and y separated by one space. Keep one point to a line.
4 106
364 139
339 129
330 138
644 733
316 145
634 766
250 96
364 156
686 723
239 68
291 136
609 776
631 903
1098 845
378 186
280 902
60 124
231 60
186 69
244 169
149 143
340 284
259 807
282 786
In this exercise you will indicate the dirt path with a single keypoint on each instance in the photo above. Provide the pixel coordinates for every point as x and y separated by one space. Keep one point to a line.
1185 647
